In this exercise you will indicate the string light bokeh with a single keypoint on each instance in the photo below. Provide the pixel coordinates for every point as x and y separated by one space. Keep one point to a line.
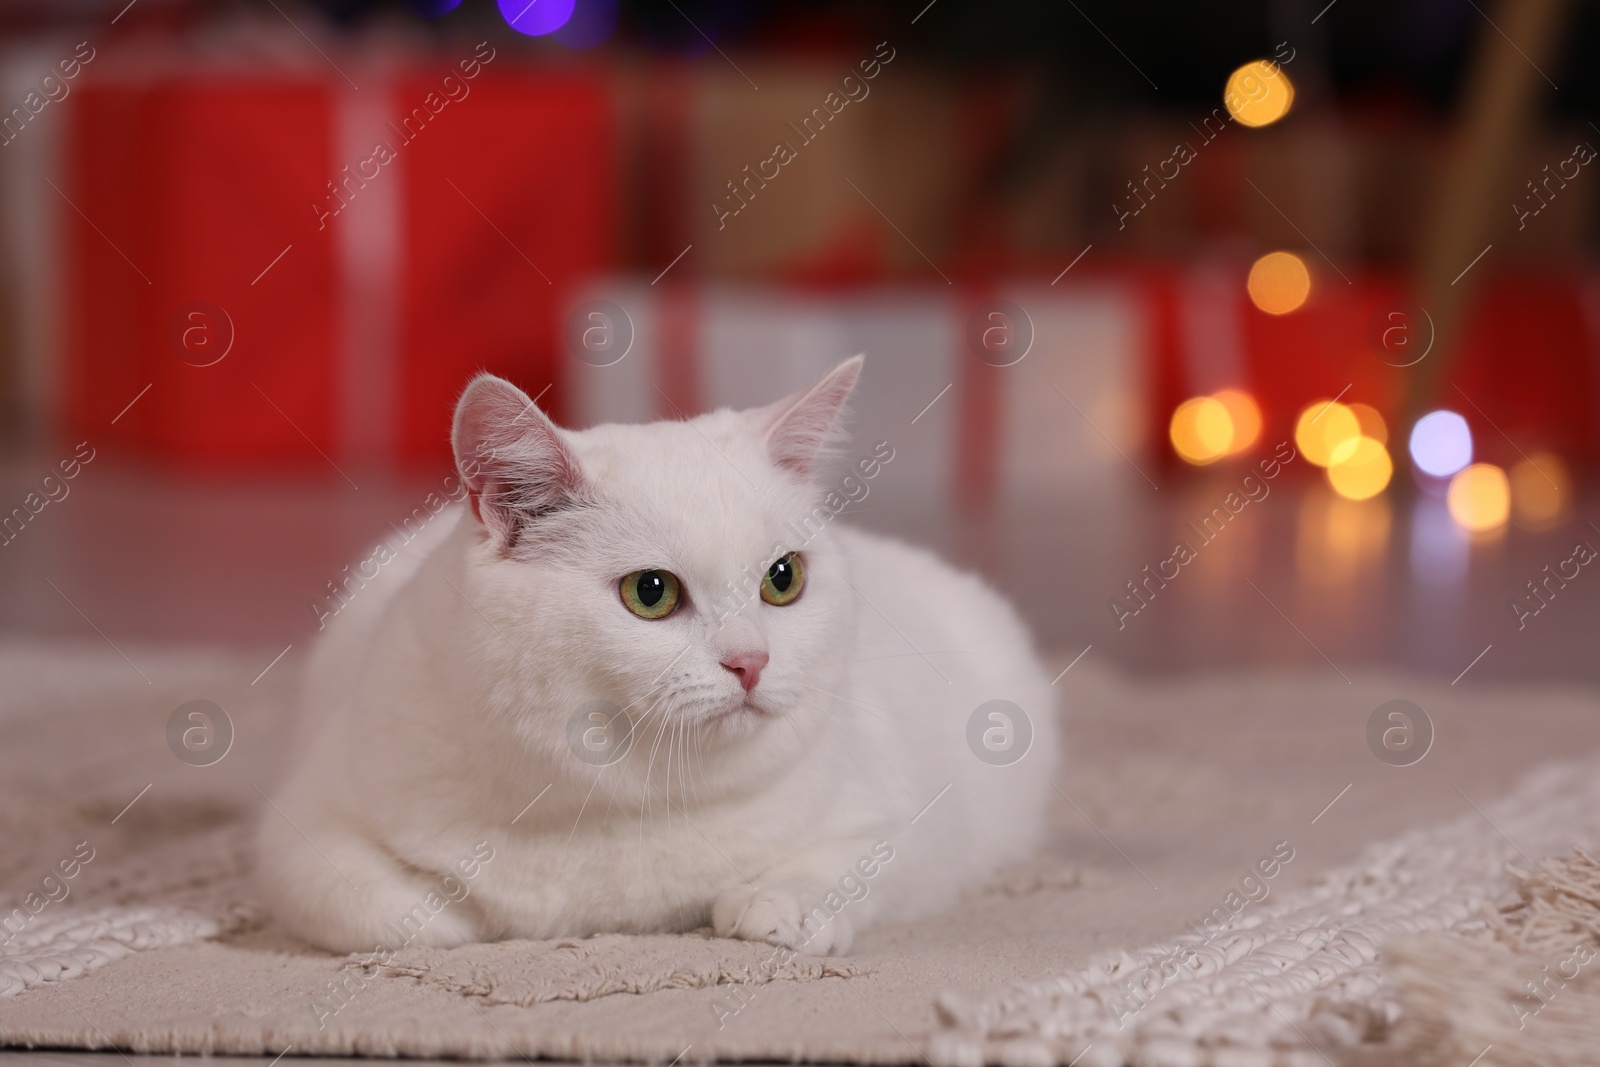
1349 440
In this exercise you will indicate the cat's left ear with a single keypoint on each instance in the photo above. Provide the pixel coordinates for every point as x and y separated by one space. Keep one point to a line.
511 457
798 427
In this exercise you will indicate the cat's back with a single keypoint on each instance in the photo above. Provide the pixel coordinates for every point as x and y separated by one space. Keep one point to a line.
344 644
936 642
935 648
910 601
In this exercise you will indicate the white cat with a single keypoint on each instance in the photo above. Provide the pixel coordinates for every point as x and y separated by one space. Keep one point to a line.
643 683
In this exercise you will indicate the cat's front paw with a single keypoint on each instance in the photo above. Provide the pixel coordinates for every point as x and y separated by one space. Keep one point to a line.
754 913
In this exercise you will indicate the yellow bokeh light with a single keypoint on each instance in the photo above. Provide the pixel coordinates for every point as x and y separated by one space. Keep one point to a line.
1244 415
1258 93
1327 432
1279 282
1364 472
1540 490
1480 497
1201 430
1371 422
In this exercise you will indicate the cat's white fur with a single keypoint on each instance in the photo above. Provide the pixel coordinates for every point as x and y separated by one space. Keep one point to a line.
439 703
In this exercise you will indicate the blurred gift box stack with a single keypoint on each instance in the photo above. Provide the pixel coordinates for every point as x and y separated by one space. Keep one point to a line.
253 258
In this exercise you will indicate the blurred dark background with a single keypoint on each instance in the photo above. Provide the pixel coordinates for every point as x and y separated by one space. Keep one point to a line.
1110 263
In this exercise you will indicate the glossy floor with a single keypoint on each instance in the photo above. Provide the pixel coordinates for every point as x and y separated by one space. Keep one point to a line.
1299 579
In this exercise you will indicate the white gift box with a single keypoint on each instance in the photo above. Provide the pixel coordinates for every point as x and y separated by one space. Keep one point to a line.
1052 408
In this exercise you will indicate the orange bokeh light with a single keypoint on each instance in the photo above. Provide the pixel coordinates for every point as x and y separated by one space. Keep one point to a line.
1327 432
1279 282
1202 431
1480 497
1364 472
1246 417
1258 93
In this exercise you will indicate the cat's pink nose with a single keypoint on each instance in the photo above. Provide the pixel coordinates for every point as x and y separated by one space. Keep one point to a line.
747 665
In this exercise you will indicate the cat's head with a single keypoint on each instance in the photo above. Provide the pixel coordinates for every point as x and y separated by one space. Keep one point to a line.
682 571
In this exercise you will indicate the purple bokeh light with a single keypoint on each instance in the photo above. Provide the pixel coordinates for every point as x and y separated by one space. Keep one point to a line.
536 17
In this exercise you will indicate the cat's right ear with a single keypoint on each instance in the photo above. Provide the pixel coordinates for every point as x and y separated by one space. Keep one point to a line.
511 457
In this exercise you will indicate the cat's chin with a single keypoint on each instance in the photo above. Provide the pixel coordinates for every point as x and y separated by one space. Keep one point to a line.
738 715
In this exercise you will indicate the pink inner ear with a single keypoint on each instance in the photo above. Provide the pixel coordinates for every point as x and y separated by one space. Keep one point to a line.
806 421
511 457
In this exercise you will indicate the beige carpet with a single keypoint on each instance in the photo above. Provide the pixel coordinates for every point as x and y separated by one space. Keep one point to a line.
1172 791
1526 992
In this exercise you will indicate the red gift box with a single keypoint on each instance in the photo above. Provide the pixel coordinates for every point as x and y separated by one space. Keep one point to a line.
282 269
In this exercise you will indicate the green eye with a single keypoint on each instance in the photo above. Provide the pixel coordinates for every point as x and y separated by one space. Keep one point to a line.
649 594
784 581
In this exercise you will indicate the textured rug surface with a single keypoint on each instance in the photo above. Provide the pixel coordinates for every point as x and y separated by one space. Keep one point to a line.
1304 978
1525 991
125 872
532 972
